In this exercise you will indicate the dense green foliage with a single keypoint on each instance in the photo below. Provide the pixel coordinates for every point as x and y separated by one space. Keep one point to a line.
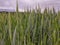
30 28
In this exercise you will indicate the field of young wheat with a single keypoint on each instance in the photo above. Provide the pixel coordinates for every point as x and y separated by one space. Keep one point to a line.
30 28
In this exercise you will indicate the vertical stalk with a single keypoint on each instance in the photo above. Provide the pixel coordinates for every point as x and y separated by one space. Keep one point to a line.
9 26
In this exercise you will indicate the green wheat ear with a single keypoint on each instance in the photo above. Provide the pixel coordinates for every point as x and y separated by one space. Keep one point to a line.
17 10
16 5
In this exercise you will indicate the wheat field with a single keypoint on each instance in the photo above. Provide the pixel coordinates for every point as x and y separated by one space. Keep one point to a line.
30 28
